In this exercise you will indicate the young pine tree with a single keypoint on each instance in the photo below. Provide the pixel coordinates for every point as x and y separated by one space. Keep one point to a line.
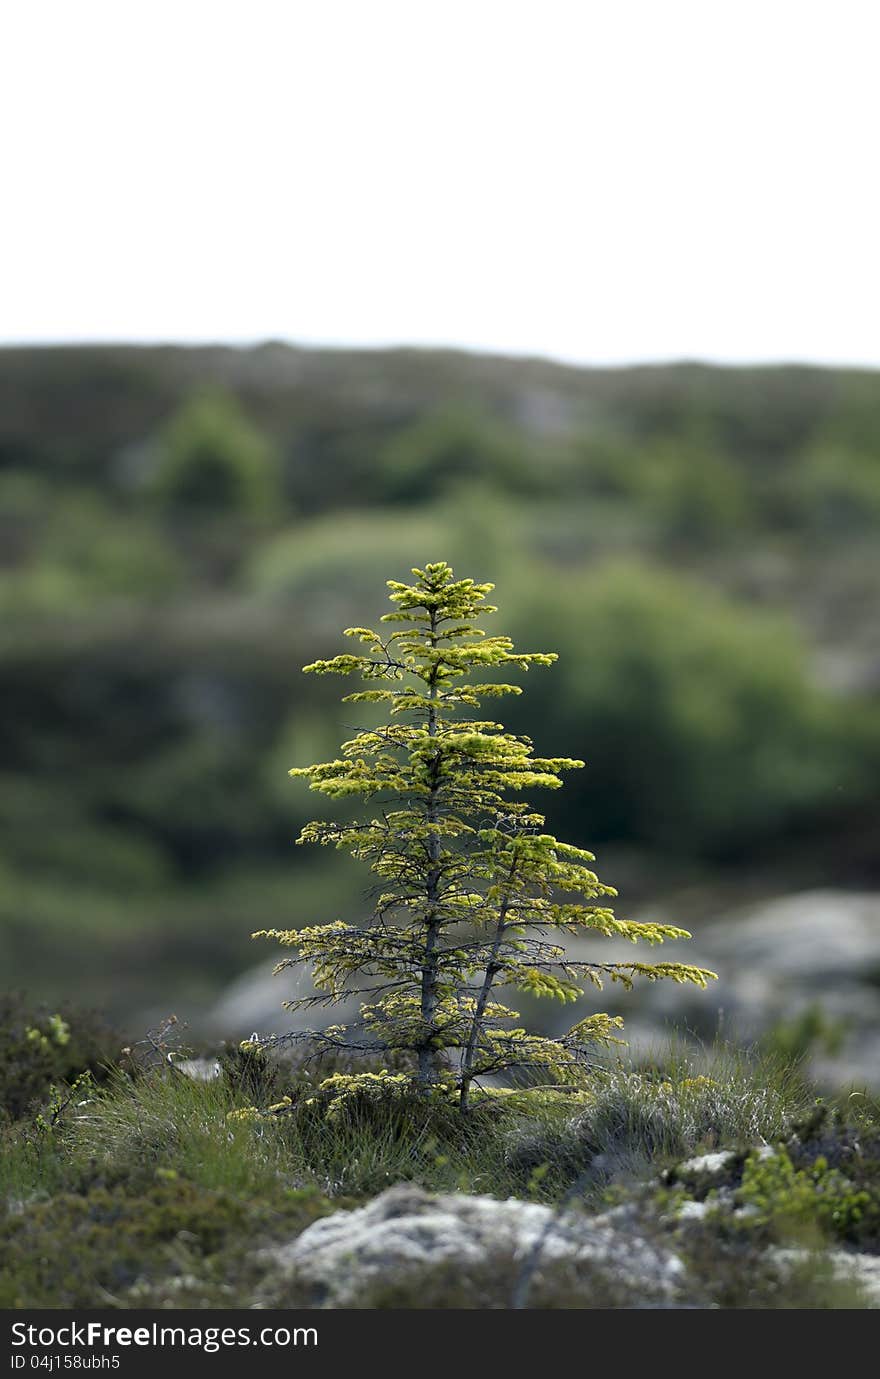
473 899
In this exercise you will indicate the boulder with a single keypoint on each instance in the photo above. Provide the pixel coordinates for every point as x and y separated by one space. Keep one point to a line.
775 960
406 1239
254 1003
863 1270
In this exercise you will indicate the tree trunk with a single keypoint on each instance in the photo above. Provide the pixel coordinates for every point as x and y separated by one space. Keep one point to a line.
428 1056
492 970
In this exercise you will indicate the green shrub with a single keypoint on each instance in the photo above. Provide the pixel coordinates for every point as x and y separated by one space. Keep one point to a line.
420 462
735 1270
49 836
699 726
836 493
684 489
214 460
172 1243
41 1047
789 1200
811 1031
325 567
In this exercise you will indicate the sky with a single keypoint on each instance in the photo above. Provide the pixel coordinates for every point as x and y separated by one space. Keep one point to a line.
595 182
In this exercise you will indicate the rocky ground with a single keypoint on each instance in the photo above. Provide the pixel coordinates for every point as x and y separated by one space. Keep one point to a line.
407 1243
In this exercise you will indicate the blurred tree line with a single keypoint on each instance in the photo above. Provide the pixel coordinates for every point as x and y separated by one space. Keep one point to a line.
181 529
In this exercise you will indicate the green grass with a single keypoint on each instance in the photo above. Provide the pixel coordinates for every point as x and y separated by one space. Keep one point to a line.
641 1117
136 1128
630 1123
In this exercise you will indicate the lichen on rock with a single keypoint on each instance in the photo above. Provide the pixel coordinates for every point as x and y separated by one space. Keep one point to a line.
407 1237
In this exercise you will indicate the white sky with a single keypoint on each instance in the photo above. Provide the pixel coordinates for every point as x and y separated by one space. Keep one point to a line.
591 181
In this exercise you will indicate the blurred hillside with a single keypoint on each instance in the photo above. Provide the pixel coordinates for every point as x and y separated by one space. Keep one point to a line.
181 529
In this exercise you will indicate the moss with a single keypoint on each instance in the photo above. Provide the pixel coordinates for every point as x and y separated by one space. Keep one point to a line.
735 1272
86 1251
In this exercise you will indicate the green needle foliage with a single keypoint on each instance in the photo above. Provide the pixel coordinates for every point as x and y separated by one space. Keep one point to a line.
473 899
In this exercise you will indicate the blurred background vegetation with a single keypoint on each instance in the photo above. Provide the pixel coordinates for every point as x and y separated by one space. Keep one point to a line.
181 529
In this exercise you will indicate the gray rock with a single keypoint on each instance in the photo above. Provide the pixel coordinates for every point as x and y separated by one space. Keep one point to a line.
407 1233
255 1004
692 1211
198 1069
863 1269
860 1269
707 1165
774 961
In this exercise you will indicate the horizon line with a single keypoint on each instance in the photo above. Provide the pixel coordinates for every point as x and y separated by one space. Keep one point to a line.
440 347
